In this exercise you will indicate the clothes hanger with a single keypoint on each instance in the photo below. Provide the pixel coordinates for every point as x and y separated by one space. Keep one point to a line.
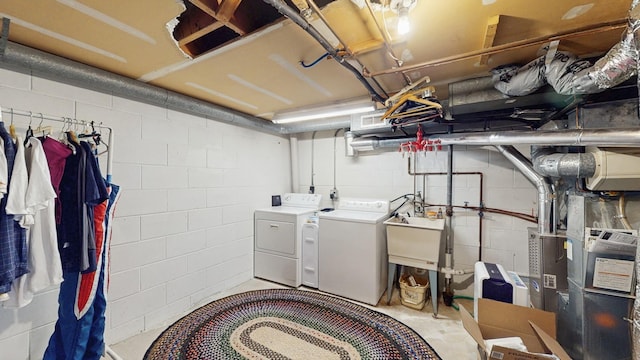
64 134
12 128
45 130
94 135
29 130
71 134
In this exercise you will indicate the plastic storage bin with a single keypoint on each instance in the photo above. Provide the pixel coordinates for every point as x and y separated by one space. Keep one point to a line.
413 296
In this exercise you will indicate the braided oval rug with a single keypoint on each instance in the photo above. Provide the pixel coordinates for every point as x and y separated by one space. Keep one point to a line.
287 324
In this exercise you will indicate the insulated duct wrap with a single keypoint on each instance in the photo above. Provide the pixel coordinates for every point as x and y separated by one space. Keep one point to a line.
618 65
569 75
519 81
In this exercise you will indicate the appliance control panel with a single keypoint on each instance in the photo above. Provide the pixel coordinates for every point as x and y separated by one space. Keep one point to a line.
301 200
370 205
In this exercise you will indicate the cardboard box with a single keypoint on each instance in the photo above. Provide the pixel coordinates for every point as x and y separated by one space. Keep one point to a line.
536 328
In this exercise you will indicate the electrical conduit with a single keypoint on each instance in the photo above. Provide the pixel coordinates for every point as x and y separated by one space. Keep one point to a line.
285 10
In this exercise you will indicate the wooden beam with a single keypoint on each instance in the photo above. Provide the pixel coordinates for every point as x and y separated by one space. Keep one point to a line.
366 46
227 9
222 14
193 25
208 6
489 36
200 33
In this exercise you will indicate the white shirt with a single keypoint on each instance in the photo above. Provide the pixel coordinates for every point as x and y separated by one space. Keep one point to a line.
45 267
16 205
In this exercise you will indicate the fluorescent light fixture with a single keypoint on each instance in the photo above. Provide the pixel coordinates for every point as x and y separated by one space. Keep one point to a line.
324 112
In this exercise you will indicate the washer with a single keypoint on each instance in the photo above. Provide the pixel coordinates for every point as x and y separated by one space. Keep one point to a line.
353 250
278 238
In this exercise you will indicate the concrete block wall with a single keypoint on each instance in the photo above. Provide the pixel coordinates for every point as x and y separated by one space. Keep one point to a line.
384 174
183 228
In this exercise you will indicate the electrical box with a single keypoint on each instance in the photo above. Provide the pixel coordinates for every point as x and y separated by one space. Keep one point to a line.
616 169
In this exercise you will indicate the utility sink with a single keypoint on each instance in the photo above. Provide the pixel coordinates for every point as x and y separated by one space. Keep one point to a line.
415 242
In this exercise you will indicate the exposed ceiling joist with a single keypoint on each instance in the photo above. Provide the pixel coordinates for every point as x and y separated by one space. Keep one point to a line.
490 36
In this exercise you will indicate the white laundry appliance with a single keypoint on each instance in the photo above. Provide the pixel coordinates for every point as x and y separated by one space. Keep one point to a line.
278 238
353 249
310 231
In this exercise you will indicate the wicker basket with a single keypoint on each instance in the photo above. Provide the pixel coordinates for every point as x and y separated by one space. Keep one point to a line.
413 296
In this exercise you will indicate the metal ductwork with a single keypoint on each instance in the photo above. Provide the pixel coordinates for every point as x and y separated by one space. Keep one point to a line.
39 63
304 126
546 195
548 162
368 144
580 137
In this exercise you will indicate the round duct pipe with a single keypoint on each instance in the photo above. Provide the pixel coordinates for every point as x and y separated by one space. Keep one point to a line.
583 137
580 137
310 126
564 165
546 196
368 144
78 74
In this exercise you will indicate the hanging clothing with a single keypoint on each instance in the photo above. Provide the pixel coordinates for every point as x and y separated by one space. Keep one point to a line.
45 268
13 240
16 198
82 338
57 154
94 193
4 171
82 187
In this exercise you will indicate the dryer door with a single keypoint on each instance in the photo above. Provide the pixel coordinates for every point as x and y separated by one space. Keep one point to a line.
275 236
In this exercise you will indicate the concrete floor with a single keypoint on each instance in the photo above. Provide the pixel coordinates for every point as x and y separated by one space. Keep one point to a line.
444 333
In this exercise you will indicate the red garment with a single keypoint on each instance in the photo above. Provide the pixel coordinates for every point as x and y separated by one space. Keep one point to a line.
57 154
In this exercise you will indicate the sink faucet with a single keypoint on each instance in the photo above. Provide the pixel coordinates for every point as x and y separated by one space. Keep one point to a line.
418 205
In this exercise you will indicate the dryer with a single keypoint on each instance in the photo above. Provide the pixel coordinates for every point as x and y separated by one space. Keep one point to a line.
353 250
278 238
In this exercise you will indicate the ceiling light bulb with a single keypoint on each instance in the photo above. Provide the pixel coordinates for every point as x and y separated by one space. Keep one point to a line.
403 21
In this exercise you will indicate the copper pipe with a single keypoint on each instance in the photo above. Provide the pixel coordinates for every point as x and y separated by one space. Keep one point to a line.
480 208
599 28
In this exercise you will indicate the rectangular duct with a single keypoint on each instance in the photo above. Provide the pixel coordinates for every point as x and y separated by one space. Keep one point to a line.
369 123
